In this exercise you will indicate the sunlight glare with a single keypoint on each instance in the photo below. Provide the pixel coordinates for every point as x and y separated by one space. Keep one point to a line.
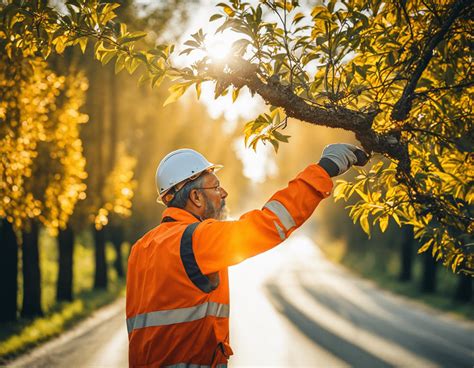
258 166
218 48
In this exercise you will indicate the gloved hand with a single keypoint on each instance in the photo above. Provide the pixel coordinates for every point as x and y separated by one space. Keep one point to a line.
338 158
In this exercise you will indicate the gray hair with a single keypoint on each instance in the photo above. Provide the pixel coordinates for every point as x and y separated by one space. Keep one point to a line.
181 197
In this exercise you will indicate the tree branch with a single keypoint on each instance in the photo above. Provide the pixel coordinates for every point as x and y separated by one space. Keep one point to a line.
241 73
404 104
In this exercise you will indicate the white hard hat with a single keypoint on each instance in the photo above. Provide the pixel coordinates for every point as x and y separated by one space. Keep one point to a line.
178 167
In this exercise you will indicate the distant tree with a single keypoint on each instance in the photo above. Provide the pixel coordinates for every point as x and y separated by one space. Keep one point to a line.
406 253
464 292
428 277
42 168
8 272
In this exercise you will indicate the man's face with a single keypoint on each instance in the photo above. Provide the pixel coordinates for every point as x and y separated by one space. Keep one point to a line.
214 196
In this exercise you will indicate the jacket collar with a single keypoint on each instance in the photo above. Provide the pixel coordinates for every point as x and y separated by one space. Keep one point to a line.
180 215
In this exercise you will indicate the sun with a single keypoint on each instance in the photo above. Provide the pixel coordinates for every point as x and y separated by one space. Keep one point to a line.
219 46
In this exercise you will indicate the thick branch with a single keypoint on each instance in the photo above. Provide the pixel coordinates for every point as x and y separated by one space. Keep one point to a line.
242 74
403 105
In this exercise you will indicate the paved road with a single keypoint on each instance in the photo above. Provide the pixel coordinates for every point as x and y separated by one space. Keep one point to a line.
292 308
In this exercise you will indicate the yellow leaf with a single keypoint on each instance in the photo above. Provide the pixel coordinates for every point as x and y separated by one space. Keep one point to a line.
362 195
397 219
83 44
228 10
339 191
235 94
383 222
425 246
364 223
176 92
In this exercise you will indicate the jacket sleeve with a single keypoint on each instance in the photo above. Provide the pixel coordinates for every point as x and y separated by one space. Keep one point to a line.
220 244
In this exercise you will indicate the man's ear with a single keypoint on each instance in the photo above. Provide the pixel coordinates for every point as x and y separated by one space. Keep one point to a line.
196 198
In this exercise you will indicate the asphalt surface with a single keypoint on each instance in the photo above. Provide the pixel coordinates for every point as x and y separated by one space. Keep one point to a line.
292 308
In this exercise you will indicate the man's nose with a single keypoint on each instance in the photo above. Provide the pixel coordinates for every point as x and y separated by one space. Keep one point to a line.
223 193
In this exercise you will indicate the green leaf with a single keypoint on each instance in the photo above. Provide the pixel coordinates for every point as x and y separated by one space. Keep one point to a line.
192 43
119 64
275 145
157 79
215 17
134 36
107 56
297 18
132 64
321 12
280 137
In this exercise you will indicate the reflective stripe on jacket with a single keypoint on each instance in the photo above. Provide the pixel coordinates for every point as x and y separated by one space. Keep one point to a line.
177 280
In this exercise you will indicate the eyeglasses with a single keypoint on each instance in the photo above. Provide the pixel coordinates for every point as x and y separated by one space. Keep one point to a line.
217 188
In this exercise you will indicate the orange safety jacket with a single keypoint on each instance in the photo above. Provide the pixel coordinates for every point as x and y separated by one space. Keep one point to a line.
177 281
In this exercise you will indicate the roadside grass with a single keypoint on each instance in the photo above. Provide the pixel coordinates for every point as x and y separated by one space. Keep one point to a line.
386 277
22 335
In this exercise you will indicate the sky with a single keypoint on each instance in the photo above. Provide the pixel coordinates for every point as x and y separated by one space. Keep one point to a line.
257 165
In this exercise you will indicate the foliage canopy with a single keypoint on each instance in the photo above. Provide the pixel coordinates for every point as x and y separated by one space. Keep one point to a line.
397 74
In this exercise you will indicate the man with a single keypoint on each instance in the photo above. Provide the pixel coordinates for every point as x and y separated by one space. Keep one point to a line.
177 281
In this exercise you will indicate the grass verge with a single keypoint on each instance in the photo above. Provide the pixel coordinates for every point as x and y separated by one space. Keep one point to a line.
24 334
18 337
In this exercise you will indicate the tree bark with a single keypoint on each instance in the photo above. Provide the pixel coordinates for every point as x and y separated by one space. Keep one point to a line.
64 287
31 273
8 272
406 254
464 289
428 282
116 238
100 276
243 73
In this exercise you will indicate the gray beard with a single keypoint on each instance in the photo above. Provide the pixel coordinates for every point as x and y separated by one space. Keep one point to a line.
212 212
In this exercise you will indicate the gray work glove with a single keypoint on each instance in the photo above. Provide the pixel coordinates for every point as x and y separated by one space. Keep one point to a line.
338 158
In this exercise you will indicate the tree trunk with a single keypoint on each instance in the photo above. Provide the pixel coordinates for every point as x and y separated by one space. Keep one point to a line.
31 273
118 264
100 277
114 118
64 287
428 283
116 237
8 272
464 289
406 253
115 232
